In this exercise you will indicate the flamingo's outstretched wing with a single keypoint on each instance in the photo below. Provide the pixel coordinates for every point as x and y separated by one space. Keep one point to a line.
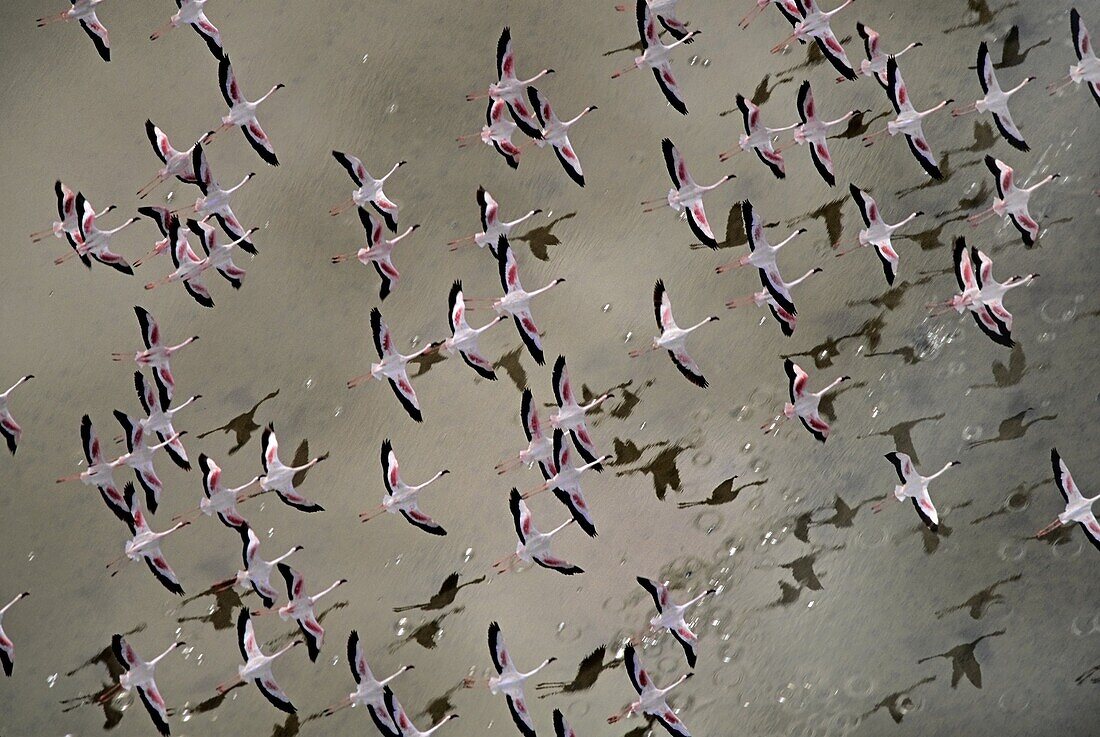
98 33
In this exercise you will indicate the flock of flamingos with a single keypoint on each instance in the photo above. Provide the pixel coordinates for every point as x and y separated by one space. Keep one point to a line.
512 104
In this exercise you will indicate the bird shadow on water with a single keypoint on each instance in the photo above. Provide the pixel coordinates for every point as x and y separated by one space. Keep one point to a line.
226 600
301 458
426 635
441 705
831 213
813 57
984 14
859 124
931 539
662 467
843 516
1011 55
425 361
724 493
931 239
622 409
899 703
826 405
1017 500
979 602
964 661
512 365
1092 675
824 352
112 714
804 575
542 238
588 670
983 140
1013 428
761 94
448 590
902 433
243 426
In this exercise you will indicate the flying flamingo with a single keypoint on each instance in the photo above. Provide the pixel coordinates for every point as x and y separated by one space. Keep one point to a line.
369 691
300 607
656 56
761 255
788 8
776 294
995 100
570 416
7 647
510 89
673 337
686 195
813 131
670 616
83 11
804 404
138 675
463 338
99 473
1087 69
176 163
665 10
257 571
1011 201
167 224
157 406
1078 508
67 226
492 227
877 233
393 366
875 63
497 132
242 113
9 428
566 484
279 477
555 132
93 241
540 448
145 544
218 499
378 252
651 700
139 456
219 256
815 24
257 666
533 546
369 190
191 12
509 681
156 354
759 138
915 487
215 199
404 725
908 120
189 268
401 497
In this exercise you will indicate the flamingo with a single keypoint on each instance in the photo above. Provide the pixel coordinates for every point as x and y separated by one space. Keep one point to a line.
393 366
404 725
145 544
673 337
67 227
463 338
167 224
814 23
279 477
686 195
99 472
533 546
492 227
555 132
878 232
139 456
138 675
497 132
192 13
257 666
914 486
156 353
570 416
401 498
221 501
788 8
215 199
804 404
7 647
1078 508
875 63
670 616
566 484
776 294
257 571
813 131
995 100
1011 201
1087 69
176 163
510 89
665 10
160 413
83 11
300 607
219 256
9 428
91 240
369 691
189 268
378 252
655 55
908 120
242 113
761 255
759 138
540 447
369 190
510 681
651 700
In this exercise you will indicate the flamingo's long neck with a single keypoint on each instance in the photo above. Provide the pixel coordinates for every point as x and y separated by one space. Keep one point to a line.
390 172
697 325
284 556
401 670
315 597
429 481
10 604
595 402
13 386
560 527
789 238
270 92
696 600
911 216
245 486
802 278
126 224
520 220
160 657
673 685
285 650
1047 180
941 472
834 11
407 231
584 112
913 45
836 382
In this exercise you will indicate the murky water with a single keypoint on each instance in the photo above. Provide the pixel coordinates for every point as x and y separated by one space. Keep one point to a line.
830 620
